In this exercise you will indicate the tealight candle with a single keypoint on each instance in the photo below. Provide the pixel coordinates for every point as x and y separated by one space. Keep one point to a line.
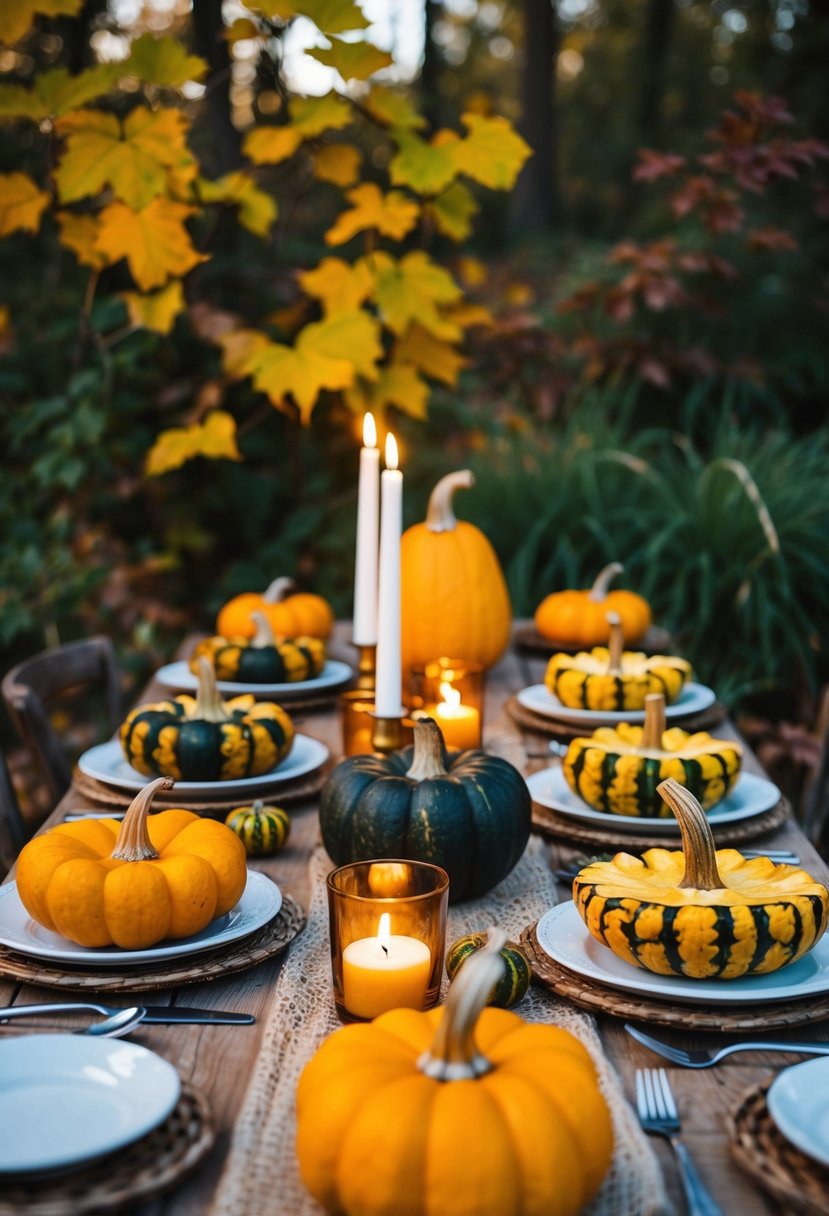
389 971
460 724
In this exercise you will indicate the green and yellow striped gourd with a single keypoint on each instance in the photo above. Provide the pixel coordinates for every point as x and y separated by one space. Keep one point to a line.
262 659
702 913
263 830
613 679
618 769
205 738
514 981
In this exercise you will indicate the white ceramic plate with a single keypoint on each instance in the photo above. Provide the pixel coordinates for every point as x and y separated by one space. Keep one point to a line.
539 699
562 934
750 796
798 1101
260 902
66 1099
333 675
106 763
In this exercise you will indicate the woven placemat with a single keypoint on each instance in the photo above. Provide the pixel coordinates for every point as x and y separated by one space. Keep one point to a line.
120 1181
266 942
794 1180
599 998
526 637
541 724
289 794
564 827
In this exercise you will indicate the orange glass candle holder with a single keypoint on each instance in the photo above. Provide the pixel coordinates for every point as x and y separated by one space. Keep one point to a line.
387 925
452 692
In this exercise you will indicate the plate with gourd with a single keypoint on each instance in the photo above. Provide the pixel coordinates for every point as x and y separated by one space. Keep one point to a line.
209 746
608 685
611 778
102 892
699 925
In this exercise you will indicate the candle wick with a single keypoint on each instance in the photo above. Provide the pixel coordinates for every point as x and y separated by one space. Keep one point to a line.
385 949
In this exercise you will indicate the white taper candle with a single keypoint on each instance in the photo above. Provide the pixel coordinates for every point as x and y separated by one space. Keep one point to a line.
365 559
388 693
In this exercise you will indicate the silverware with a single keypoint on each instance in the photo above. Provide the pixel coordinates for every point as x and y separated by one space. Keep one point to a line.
77 816
166 1015
706 1059
118 1022
658 1115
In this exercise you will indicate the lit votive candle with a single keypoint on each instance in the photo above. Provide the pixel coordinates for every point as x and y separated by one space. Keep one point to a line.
390 971
460 724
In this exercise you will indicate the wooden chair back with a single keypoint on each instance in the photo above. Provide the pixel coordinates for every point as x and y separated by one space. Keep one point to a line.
12 831
28 688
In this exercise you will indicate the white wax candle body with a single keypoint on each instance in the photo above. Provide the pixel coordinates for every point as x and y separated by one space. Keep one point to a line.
365 562
388 695
375 979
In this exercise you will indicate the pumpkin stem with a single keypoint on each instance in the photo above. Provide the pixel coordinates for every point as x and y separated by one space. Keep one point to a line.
602 581
264 633
453 1055
654 727
279 590
701 873
133 843
427 760
617 643
209 705
439 516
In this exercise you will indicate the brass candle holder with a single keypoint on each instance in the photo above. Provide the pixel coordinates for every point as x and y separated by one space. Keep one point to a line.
390 734
365 733
366 667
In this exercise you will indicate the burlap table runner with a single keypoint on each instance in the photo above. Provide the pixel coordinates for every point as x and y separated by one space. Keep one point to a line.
261 1177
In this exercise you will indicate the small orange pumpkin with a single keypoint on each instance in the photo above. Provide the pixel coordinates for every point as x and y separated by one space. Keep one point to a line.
290 614
579 618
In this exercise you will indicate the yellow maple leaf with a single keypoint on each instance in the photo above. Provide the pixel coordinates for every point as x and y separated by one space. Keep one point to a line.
163 62
392 214
310 116
132 158
353 60
337 163
435 358
153 240
468 315
55 92
492 153
327 355
158 310
472 271
80 234
337 285
453 211
22 203
392 109
214 438
427 168
257 208
238 347
412 290
16 16
241 29
398 384
330 16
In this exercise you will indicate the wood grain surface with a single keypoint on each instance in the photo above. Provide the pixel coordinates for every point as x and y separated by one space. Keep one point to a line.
218 1059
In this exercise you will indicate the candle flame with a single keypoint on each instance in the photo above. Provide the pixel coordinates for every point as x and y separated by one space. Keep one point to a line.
391 451
450 695
384 932
369 432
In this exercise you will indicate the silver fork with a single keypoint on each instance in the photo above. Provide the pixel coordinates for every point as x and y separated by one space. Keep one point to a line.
706 1059
659 1117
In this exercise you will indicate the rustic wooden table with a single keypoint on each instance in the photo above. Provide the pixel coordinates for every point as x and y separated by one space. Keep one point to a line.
219 1059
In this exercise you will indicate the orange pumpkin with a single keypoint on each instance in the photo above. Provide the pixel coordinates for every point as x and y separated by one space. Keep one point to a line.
579 618
289 614
453 594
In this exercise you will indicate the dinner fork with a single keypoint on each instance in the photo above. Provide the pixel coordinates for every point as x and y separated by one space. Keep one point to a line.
659 1117
706 1059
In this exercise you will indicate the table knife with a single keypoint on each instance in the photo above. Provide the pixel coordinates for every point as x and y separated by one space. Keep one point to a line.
162 1015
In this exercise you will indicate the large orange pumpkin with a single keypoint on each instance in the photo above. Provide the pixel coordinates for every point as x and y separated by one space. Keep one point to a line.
579 618
290 614
453 594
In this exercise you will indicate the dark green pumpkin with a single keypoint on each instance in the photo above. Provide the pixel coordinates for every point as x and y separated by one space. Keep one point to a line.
515 981
263 830
262 659
465 811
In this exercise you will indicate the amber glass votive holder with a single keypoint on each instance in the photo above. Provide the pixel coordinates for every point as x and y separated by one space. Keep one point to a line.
452 692
387 926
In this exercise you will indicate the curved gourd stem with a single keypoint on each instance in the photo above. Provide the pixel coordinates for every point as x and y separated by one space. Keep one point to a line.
617 643
209 705
439 516
264 633
427 760
453 1055
701 873
279 590
654 727
133 843
602 581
